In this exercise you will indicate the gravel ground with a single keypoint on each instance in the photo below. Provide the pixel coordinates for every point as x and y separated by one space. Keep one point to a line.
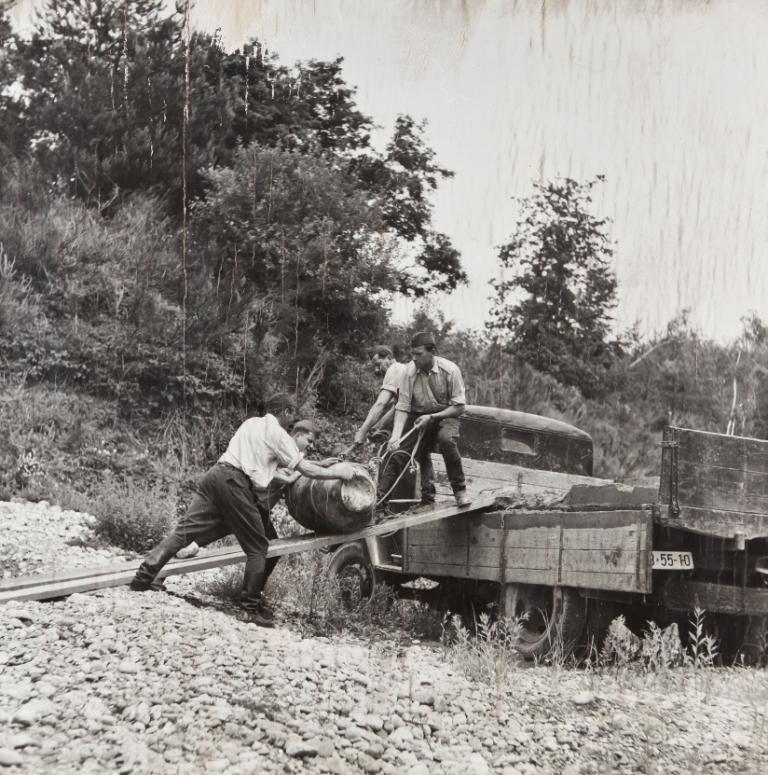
121 682
40 538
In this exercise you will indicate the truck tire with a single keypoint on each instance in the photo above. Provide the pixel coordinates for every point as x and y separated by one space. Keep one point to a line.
551 618
755 644
743 639
354 572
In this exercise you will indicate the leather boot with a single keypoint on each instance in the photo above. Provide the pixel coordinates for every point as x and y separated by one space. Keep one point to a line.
251 598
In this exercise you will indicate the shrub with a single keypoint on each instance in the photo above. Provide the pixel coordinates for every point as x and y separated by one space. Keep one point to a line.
130 514
659 648
488 656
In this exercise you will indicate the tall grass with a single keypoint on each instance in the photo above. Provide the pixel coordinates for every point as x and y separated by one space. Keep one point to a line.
489 655
304 593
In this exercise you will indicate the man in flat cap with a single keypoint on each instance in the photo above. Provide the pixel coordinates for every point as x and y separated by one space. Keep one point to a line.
432 397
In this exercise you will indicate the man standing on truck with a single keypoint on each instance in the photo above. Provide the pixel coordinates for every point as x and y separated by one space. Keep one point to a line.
381 414
226 502
432 397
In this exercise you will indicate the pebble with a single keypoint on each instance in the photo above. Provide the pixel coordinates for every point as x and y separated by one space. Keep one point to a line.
741 740
30 713
325 748
476 765
583 698
550 743
45 689
9 758
424 695
375 723
21 740
297 747
400 737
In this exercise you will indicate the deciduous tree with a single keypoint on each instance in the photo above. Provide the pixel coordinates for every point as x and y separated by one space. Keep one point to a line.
554 300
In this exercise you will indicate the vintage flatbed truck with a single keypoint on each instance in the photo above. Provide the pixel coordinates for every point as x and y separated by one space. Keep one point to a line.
546 541
566 551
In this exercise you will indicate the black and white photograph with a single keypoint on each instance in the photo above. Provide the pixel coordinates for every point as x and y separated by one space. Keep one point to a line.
384 387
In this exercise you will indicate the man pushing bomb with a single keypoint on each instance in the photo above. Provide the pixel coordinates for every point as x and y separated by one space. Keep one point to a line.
227 504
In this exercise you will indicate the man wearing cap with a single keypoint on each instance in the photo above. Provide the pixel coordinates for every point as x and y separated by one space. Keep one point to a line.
379 416
226 502
432 397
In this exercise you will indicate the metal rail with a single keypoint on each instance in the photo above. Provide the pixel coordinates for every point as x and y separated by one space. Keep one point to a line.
50 586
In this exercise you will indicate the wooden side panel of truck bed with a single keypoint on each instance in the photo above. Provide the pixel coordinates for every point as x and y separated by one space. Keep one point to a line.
608 550
714 484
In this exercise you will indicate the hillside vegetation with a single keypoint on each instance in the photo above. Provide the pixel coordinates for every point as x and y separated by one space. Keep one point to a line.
185 229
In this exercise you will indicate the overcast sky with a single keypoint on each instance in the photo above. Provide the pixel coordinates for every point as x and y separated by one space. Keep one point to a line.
669 100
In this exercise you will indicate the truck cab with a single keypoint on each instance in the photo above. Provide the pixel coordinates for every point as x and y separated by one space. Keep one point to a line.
522 439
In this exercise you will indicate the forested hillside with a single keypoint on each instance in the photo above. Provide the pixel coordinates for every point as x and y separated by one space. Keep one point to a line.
186 228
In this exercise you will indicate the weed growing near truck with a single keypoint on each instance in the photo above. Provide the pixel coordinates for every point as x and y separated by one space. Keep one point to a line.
305 595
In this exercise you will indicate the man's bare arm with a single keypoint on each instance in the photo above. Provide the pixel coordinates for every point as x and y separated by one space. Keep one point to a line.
397 429
316 471
374 413
385 419
282 476
450 411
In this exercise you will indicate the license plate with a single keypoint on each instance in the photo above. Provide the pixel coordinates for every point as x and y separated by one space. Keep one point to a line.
672 560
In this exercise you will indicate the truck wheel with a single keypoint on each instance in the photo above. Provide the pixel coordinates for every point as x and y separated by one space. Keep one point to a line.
755 646
354 572
744 639
550 618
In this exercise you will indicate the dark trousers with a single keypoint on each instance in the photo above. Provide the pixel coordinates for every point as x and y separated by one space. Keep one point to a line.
224 505
271 534
444 433
266 499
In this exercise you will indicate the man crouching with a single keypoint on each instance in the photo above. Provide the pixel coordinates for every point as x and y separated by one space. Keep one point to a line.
226 503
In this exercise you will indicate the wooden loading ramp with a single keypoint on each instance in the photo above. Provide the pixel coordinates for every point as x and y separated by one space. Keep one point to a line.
61 584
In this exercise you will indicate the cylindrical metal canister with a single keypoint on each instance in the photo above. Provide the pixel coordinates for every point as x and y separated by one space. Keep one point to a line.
333 505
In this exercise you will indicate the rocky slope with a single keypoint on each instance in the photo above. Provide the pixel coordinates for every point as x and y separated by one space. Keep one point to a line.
121 682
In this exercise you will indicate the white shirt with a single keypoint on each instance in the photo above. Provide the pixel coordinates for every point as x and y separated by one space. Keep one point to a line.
394 378
259 447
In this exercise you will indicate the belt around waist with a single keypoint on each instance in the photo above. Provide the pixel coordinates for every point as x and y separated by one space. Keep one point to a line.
231 467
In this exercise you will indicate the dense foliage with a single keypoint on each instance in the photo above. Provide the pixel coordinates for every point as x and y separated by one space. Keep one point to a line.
185 223
557 290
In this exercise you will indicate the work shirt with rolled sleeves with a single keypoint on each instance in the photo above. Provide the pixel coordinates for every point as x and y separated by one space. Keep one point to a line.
259 447
428 392
394 377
